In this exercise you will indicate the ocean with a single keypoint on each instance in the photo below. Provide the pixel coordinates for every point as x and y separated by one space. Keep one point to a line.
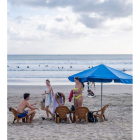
35 69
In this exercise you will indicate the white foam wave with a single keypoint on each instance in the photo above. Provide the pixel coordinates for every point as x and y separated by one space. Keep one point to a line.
44 74
62 68
68 62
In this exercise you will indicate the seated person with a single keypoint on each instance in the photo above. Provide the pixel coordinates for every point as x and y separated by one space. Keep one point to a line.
23 104
90 92
58 100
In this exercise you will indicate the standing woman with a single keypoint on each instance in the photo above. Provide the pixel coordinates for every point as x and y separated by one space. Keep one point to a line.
48 99
78 99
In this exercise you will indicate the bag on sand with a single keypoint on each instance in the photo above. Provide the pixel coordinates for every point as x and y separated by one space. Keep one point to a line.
72 108
42 105
91 117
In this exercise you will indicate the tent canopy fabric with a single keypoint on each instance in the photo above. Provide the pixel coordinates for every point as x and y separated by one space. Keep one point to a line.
103 73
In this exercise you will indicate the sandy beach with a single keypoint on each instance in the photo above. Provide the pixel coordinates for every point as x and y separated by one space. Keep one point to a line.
119 115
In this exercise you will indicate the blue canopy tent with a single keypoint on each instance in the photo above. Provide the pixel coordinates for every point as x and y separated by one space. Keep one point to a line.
103 74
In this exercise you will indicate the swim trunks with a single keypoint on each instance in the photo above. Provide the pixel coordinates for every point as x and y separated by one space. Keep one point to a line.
22 115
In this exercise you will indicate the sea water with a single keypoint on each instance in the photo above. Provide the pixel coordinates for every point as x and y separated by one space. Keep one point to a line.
35 69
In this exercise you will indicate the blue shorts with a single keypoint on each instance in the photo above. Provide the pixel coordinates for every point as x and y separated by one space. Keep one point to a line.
22 115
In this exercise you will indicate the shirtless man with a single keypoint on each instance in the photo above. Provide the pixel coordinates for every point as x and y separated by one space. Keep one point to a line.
23 104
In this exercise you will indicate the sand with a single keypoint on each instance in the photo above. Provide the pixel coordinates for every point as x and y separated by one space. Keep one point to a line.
119 115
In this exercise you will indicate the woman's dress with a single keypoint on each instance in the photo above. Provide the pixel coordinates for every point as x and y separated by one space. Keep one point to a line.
48 99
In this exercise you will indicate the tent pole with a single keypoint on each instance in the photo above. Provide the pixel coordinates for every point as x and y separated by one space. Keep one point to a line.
101 94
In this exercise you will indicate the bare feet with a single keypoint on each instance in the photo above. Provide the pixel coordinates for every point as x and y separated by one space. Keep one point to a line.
47 119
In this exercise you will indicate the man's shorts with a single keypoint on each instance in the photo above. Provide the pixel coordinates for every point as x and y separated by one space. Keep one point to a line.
22 115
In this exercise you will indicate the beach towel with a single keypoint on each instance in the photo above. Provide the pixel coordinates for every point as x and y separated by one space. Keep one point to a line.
48 99
70 96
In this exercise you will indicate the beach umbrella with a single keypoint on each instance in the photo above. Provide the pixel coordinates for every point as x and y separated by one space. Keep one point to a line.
103 74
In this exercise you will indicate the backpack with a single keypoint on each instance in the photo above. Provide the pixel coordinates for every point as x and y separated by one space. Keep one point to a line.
72 108
91 117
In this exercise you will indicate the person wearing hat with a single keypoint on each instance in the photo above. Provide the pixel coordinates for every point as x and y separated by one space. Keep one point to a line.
58 100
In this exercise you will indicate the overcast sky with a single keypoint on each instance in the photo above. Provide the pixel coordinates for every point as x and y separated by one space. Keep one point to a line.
69 26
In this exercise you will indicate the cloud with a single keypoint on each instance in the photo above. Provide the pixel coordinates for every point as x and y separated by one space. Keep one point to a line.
14 34
19 19
128 28
106 8
69 23
41 27
91 22
119 24
67 34
59 19
103 9
8 12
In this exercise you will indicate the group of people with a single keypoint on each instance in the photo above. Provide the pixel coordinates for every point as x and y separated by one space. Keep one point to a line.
58 100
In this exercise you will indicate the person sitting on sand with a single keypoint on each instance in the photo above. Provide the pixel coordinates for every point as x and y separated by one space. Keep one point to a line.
48 99
58 100
90 92
78 99
23 104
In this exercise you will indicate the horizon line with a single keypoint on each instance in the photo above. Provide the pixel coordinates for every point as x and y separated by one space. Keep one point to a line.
69 54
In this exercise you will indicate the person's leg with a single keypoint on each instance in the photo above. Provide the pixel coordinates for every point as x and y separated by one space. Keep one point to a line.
75 106
47 109
94 84
91 85
75 103
47 114
31 113
80 101
28 120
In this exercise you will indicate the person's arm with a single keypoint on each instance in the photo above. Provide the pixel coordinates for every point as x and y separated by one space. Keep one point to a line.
52 92
50 88
32 108
63 98
57 100
79 89
33 104
74 90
